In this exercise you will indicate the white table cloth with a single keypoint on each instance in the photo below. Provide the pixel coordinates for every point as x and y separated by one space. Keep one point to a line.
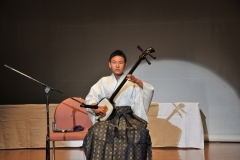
176 125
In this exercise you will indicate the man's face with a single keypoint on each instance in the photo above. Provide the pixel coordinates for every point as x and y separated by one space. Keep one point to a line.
117 64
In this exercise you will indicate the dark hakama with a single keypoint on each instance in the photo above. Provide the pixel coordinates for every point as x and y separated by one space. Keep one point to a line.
124 137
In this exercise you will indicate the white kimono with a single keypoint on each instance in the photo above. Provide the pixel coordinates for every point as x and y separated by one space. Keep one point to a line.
139 99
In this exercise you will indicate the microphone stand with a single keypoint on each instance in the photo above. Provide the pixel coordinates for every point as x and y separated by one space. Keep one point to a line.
47 90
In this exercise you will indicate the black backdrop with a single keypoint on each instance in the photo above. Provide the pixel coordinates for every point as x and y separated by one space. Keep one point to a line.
66 44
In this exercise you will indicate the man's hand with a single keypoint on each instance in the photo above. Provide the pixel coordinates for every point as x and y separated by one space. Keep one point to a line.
101 111
133 79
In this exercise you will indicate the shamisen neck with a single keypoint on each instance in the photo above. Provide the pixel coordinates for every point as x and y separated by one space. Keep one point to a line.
119 78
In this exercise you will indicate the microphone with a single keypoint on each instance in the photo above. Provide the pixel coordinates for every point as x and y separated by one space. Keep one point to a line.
89 106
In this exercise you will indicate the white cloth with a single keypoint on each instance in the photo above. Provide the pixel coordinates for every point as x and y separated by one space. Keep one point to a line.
138 98
172 125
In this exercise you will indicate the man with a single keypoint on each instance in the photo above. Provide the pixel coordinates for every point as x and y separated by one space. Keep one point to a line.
125 135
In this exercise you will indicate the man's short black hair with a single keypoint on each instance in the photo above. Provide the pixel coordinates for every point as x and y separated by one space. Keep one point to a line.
118 53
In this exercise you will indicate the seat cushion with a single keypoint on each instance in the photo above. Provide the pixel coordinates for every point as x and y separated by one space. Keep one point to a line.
67 136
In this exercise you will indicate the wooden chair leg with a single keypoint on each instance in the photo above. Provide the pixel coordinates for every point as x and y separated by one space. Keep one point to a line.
53 150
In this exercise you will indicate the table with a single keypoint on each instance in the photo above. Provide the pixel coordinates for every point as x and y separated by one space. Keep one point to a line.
176 125
24 126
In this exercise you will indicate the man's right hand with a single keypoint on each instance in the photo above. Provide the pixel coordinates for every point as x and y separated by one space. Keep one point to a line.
101 111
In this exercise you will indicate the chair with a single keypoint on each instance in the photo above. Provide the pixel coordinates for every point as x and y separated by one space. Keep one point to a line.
67 115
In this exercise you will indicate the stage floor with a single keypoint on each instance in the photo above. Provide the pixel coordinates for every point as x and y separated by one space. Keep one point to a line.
212 151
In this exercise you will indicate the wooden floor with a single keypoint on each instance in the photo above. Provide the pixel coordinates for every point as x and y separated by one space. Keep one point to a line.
212 151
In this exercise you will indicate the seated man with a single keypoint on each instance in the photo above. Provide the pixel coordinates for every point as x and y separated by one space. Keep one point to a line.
124 135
